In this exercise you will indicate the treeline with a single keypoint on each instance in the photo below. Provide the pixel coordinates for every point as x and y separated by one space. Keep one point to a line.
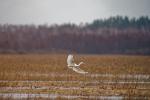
122 22
115 35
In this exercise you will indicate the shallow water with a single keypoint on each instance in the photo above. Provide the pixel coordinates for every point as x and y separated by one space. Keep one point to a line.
122 76
54 96
94 82
140 79
41 87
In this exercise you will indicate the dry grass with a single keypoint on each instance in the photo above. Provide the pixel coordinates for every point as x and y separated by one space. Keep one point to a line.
50 69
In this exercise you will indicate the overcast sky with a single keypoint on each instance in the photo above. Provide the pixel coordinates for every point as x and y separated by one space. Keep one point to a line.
64 11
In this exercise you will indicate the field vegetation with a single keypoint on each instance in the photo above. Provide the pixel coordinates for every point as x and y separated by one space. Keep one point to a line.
109 75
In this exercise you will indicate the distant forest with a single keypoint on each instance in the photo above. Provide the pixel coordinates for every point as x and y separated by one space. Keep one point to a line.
114 35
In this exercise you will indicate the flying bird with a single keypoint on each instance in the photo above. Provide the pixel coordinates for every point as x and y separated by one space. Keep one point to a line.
74 66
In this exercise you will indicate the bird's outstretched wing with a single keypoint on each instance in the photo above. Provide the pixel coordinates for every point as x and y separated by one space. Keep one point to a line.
78 70
74 66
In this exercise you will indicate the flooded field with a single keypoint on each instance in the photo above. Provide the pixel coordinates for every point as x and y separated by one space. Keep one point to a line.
110 77
55 96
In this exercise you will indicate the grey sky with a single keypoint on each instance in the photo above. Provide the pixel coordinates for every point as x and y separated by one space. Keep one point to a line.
74 11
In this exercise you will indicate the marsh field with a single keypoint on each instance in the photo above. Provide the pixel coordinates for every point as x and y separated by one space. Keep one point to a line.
46 76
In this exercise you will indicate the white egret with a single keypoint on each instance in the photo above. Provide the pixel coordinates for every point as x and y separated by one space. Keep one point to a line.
74 66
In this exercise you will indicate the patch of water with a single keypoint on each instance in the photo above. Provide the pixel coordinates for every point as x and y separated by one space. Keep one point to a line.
41 87
122 76
54 96
94 82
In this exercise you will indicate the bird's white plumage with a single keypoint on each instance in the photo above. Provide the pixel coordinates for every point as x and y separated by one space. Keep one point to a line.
70 60
74 66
